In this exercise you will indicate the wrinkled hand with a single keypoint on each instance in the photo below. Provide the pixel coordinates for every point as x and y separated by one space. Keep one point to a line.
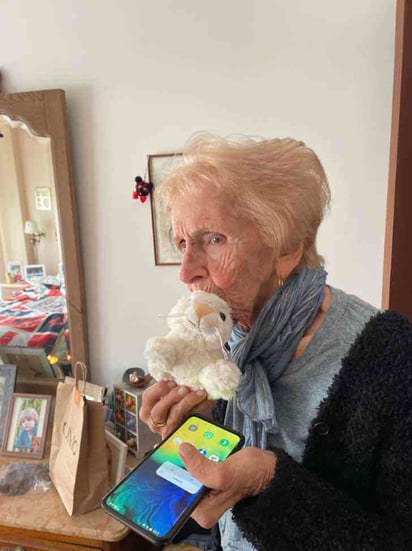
246 473
166 402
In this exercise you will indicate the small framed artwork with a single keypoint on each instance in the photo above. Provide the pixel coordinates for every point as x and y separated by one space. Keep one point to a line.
15 271
116 457
7 382
26 427
34 271
42 198
165 249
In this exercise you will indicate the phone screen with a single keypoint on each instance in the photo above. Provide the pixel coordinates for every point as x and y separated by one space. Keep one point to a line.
158 492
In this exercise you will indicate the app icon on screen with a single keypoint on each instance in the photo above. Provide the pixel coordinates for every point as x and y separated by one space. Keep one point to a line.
192 427
224 442
177 440
202 451
208 434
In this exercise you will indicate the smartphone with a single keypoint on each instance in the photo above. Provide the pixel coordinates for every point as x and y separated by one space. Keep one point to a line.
157 497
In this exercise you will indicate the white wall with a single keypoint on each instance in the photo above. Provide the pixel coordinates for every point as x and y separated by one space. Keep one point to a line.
141 76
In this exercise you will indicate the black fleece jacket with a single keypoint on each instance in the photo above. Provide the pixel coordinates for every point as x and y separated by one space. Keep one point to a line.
353 489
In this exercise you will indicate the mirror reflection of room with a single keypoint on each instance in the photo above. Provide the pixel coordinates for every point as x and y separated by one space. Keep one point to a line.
34 332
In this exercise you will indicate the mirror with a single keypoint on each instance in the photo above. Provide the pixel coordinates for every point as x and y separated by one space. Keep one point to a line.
42 302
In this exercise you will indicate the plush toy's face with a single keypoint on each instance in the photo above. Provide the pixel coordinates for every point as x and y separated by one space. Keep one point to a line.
204 315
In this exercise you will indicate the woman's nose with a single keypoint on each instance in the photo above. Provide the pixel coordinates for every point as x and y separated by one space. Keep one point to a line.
193 268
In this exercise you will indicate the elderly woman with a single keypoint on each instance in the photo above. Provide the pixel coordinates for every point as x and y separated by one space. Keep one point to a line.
326 393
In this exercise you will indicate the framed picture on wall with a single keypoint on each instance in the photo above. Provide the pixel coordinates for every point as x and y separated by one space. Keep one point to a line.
42 198
165 250
27 423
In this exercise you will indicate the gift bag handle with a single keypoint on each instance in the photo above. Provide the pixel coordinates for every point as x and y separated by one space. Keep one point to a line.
80 366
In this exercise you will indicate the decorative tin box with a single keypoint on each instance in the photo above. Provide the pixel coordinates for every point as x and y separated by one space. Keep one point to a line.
127 424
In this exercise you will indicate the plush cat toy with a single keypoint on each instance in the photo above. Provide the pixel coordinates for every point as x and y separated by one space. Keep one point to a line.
193 352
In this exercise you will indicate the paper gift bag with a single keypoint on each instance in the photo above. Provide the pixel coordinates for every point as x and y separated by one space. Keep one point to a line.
78 459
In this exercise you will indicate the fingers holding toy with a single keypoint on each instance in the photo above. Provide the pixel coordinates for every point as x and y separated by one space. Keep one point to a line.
175 406
194 356
165 406
150 398
246 473
192 401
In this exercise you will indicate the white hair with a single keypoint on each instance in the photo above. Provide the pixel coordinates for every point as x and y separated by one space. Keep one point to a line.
278 183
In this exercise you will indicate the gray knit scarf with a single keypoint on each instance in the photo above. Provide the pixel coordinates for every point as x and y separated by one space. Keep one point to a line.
264 352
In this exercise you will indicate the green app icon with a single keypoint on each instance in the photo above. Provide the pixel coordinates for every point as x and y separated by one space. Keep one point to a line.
224 442
208 435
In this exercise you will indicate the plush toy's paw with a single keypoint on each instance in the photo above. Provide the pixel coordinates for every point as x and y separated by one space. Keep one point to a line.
160 356
220 380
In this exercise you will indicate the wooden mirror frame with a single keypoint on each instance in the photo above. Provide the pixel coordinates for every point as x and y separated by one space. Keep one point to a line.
44 112
397 266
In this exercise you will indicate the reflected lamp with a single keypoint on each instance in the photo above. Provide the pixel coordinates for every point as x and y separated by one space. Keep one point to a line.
31 229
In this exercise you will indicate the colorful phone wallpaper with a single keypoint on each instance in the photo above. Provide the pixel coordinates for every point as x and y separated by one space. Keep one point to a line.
159 491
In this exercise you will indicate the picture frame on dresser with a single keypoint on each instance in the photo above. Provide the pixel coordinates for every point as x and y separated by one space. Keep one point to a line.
15 271
117 456
34 271
26 426
7 384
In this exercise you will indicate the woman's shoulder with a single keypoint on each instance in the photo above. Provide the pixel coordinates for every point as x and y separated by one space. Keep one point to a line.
388 331
346 317
377 369
387 325
352 305
383 350
390 320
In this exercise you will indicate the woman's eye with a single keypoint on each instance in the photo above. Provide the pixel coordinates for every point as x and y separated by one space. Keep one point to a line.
216 240
182 246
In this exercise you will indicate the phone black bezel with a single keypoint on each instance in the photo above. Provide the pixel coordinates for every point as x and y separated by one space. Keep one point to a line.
186 514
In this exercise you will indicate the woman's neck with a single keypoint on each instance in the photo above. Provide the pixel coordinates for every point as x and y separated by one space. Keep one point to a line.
248 318
246 322
314 326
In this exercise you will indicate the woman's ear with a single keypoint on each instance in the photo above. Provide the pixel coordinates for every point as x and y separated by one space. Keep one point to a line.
285 265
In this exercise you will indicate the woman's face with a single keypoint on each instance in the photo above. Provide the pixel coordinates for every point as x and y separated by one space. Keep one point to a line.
223 252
